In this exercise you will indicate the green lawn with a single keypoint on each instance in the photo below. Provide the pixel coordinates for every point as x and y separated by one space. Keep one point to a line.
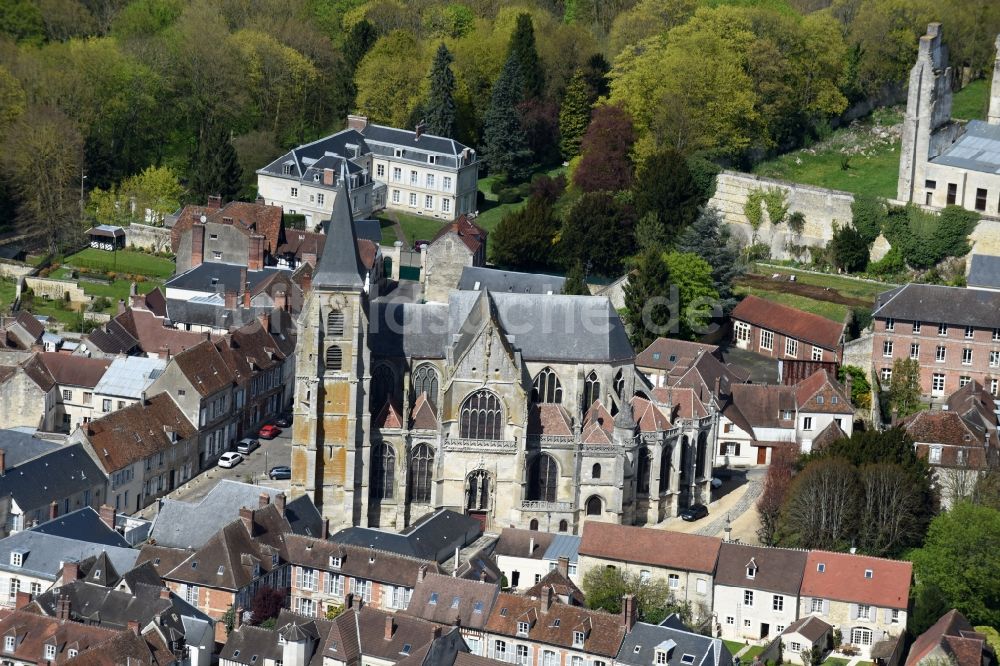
119 289
748 656
836 661
415 227
492 212
875 172
388 231
123 261
8 288
972 101
832 311
49 308
734 646
840 284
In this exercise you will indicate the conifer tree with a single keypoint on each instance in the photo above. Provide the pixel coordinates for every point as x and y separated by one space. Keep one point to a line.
712 240
440 108
574 115
217 168
522 48
576 282
647 300
505 145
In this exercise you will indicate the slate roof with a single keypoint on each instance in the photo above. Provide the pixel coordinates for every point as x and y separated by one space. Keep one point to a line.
341 265
84 525
44 554
51 476
75 370
443 599
477 278
957 306
19 447
776 569
161 558
138 431
425 143
563 545
789 321
957 638
638 648
112 338
218 278
984 272
433 538
328 152
640 545
977 149
130 376
843 579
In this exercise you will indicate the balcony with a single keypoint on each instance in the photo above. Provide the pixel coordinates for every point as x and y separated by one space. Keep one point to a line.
546 507
481 445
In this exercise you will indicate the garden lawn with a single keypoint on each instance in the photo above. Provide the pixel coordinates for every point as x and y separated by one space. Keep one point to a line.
972 101
734 646
122 261
747 657
388 231
833 311
118 289
8 289
491 212
836 661
840 284
876 174
49 308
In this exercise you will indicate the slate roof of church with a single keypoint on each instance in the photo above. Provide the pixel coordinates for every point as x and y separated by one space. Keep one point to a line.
476 278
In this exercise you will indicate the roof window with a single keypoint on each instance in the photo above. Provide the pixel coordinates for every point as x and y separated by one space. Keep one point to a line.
821 567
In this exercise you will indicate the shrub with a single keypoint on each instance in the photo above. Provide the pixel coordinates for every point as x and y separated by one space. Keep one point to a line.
758 252
497 186
509 196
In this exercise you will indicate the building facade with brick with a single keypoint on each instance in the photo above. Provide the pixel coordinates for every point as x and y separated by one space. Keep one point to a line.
778 331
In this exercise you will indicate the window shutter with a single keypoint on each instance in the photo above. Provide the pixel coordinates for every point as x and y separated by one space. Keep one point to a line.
737 448
854 611
887 615
826 607
722 449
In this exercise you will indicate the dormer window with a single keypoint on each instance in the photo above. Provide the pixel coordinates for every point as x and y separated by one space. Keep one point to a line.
335 561
751 570
8 643
434 599
398 152
821 567
50 651
97 574
286 169
661 657
522 628
578 637
431 159
819 399
16 559
315 177
221 571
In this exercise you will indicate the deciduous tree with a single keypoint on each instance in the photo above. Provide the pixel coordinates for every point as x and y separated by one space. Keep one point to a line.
892 510
776 485
822 507
904 387
712 240
605 587
266 604
605 163
698 302
599 232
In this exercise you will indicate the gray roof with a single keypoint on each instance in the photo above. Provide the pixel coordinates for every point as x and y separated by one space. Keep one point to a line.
434 538
385 140
19 447
542 327
978 149
51 476
475 278
212 311
639 646
984 271
217 278
84 525
130 376
957 306
563 545
44 554
369 229
340 266
330 152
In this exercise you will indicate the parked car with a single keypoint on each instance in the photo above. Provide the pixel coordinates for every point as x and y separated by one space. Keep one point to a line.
269 432
280 472
283 421
230 459
247 445
694 512
716 482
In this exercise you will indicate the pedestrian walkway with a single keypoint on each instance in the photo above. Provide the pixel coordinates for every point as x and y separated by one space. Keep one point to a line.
752 491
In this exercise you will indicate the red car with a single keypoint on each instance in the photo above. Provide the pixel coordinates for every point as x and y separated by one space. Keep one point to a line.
269 432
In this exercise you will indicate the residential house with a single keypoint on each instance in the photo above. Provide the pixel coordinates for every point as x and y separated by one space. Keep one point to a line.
55 481
449 649
452 601
780 331
564 590
239 233
125 382
756 591
295 640
456 246
952 332
145 450
130 647
93 526
866 598
539 630
23 331
139 329
323 573
434 538
666 359
520 555
366 635
686 561
670 643
75 378
29 396
953 640
262 362
30 639
800 637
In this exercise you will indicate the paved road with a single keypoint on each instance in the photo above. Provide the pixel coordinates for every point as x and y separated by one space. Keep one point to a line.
253 469
755 484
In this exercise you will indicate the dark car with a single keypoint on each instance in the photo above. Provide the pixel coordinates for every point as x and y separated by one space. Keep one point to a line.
280 472
283 421
694 512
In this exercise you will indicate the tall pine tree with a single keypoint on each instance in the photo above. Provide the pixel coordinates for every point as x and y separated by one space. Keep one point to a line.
574 115
522 48
216 169
505 145
576 281
647 300
359 41
712 240
440 108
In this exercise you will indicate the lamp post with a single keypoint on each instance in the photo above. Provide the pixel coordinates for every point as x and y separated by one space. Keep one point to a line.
83 177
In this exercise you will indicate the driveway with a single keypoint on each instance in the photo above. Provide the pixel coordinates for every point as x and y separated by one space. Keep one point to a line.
733 502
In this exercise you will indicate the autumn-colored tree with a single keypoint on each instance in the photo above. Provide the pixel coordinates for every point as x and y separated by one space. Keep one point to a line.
605 163
266 604
776 484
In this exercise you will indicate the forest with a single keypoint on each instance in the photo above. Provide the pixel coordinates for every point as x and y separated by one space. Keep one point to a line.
103 102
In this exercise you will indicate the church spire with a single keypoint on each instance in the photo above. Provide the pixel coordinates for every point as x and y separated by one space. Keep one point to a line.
340 266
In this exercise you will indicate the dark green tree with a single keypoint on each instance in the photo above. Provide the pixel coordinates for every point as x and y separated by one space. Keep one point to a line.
649 309
869 214
216 168
576 281
505 146
663 185
711 240
904 387
599 233
849 249
574 115
595 73
522 48
649 234
524 238
440 110
358 42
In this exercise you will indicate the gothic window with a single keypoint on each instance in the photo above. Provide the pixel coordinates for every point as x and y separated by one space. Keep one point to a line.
620 384
702 454
594 506
685 459
547 387
383 387
543 479
425 380
334 358
595 471
665 469
482 416
421 473
591 390
642 475
335 323
383 471
563 526
478 498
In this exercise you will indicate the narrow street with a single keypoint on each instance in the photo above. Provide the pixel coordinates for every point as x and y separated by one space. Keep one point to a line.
733 501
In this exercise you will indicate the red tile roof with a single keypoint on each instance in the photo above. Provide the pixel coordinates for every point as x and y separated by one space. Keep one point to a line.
247 217
75 370
471 233
843 579
644 545
388 417
820 384
205 368
423 416
549 419
138 431
666 353
789 321
955 636
648 416
33 632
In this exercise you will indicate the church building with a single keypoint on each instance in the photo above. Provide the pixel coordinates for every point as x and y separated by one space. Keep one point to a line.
521 410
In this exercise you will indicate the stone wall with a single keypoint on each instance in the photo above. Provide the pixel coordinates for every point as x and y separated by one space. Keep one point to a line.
145 237
14 269
821 208
55 289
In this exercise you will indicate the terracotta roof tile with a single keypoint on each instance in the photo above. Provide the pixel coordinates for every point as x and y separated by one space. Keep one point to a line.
471 233
549 419
33 632
809 626
246 217
822 394
205 368
138 431
388 417
952 623
648 416
367 251
406 630
599 415
75 370
789 321
561 585
643 545
668 353
844 579
515 542
423 416
36 370
153 336
443 599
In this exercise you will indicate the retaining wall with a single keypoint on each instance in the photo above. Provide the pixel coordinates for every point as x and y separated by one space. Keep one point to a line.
14 269
145 237
55 289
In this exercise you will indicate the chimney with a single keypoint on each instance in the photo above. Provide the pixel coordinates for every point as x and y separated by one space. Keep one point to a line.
328 177
70 572
133 626
563 566
546 598
107 514
246 294
325 531
259 200
121 305
349 600
629 612
246 515
436 632
3 462
358 123
22 599
281 300
230 297
263 500
531 546
214 201
306 280
53 510
389 627
63 607
421 572
197 244
718 387
238 617
164 592
419 130
255 256
265 320
279 502
482 575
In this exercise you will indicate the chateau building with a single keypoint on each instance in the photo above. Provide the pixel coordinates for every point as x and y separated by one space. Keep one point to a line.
517 409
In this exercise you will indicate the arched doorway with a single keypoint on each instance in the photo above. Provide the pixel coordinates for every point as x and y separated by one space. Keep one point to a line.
479 495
